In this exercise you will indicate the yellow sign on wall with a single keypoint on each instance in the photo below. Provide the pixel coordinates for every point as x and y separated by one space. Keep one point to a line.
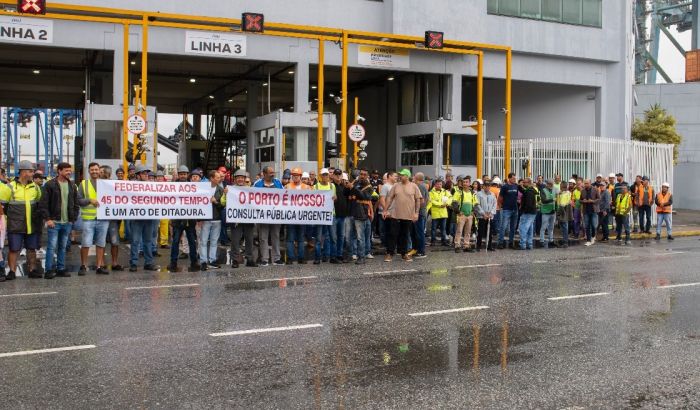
377 56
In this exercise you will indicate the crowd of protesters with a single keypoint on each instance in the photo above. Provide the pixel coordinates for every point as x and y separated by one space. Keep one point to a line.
403 212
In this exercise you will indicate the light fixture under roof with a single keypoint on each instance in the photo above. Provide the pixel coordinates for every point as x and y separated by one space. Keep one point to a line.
390 78
36 71
193 80
313 87
231 100
290 72
211 97
264 84
133 62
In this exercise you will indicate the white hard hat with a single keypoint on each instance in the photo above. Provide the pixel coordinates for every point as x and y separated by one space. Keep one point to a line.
612 175
572 181
497 180
480 181
599 176
305 175
666 184
345 177
324 171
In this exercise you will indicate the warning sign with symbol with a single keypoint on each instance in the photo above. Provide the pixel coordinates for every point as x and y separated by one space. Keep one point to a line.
356 132
31 6
136 124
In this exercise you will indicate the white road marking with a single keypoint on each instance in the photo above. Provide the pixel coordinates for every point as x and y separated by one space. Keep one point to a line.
585 295
672 253
186 285
680 285
390 271
440 312
614 257
278 279
267 330
52 350
488 265
539 261
28 294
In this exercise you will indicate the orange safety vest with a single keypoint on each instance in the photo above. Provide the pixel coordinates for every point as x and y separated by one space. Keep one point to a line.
641 197
661 199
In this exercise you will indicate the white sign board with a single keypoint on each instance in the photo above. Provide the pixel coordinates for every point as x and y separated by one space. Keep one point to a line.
153 200
377 56
26 30
136 124
279 206
356 132
215 44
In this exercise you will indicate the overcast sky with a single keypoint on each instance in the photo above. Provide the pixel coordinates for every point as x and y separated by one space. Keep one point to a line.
670 59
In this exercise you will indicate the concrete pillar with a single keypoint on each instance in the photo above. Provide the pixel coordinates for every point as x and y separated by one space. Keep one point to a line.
117 66
456 68
301 87
695 42
251 112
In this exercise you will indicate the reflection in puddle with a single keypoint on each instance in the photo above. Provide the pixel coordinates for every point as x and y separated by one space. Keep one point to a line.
277 283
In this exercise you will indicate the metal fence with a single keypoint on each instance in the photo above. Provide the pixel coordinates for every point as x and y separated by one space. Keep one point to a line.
585 157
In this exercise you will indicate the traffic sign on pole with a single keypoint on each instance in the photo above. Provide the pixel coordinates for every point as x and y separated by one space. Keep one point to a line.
31 6
136 124
356 132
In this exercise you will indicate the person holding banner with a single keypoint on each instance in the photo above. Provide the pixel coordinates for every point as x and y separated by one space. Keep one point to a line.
142 233
295 233
325 233
402 209
211 229
188 227
94 231
246 231
269 234
113 230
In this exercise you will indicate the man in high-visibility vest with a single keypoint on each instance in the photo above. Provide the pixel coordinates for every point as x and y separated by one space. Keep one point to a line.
664 211
623 207
94 231
23 219
644 199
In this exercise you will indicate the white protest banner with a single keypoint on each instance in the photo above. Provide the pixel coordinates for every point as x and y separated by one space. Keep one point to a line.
153 200
279 206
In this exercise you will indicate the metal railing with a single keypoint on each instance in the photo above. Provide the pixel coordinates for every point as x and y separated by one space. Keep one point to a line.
585 157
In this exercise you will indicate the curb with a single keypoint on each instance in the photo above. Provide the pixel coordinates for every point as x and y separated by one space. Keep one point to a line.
682 234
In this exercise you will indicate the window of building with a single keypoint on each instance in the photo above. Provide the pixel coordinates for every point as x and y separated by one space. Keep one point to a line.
580 12
462 149
108 139
417 150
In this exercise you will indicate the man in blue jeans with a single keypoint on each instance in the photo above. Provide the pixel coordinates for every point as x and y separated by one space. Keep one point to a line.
590 204
508 199
188 227
342 210
59 208
529 205
142 234
94 230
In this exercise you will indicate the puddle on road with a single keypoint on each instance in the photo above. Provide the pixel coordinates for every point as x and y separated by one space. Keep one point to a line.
269 284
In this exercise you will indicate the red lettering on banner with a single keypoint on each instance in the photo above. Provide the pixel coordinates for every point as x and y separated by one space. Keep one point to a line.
241 197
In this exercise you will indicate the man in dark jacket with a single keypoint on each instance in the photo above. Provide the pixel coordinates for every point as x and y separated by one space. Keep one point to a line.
590 204
188 227
360 197
241 230
211 229
528 208
59 209
342 210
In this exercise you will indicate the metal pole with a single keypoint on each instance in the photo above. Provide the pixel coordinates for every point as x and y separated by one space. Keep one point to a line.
319 88
695 42
480 116
344 102
144 84
506 155
355 149
125 101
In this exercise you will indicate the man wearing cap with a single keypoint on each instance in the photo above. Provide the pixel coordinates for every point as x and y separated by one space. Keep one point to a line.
295 233
529 205
163 224
590 206
324 233
623 206
39 178
142 234
508 201
113 229
211 229
59 208
644 198
664 211
225 181
634 190
418 228
120 173
269 234
548 211
617 189
385 223
439 201
564 210
24 220
360 195
188 227
132 172
286 177
485 212
245 231
464 203
94 231
403 207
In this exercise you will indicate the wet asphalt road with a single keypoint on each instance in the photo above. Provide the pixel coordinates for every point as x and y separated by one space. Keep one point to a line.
437 333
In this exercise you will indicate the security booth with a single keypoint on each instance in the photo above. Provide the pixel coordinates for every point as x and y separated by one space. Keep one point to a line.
285 140
104 136
434 147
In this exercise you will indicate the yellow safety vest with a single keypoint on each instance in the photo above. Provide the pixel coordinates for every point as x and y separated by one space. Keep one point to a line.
89 211
623 204
22 196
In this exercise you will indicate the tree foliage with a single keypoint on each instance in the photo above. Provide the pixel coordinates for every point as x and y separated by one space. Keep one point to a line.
657 126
